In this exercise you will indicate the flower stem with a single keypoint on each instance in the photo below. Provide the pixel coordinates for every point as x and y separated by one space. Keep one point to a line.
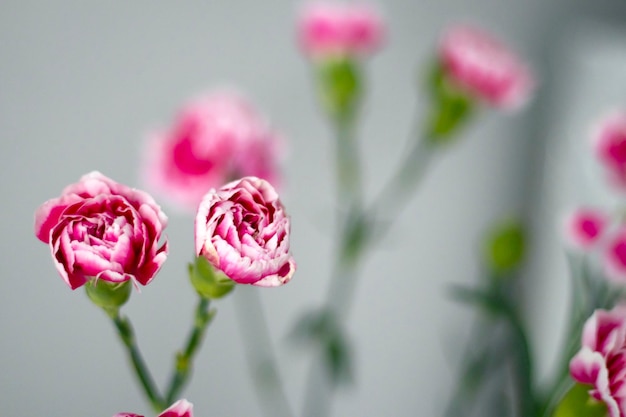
261 361
127 336
402 184
184 358
349 188
355 239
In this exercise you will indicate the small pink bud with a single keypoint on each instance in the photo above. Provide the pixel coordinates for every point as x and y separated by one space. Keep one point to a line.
609 143
585 226
477 62
330 29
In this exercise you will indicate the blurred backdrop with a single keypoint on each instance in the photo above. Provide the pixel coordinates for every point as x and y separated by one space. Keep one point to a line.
82 82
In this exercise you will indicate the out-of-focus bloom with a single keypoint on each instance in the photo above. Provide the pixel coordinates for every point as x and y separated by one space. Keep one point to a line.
181 408
609 142
601 362
585 226
476 62
214 140
615 256
100 229
243 231
333 29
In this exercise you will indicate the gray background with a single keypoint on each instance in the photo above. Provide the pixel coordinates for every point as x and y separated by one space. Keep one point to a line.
81 82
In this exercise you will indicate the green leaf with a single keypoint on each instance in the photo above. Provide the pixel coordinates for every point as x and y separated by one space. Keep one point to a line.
338 360
491 302
313 327
578 403
321 330
208 282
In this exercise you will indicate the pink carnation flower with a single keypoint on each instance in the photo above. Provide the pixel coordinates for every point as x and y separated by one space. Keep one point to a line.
585 226
181 408
243 231
475 61
330 29
100 229
214 140
601 362
609 142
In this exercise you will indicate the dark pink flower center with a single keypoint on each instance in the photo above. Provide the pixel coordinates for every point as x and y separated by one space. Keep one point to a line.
187 159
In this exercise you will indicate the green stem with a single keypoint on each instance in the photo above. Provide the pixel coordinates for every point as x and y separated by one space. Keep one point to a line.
527 402
354 241
584 299
184 358
127 336
259 351
402 184
349 188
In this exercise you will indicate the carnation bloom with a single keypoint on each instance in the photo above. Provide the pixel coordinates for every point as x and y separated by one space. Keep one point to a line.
100 229
478 63
609 142
214 140
601 362
181 408
585 226
335 29
243 231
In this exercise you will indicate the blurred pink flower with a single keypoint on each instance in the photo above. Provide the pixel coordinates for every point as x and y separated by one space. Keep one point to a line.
475 61
100 229
181 408
585 226
330 29
601 362
214 140
243 231
615 256
609 142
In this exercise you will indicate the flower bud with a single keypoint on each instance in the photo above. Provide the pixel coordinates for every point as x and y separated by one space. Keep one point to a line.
208 282
584 227
333 29
108 294
505 246
478 64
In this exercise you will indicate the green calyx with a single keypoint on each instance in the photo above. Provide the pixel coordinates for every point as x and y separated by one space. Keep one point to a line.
578 403
339 83
108 295
451 108
209 282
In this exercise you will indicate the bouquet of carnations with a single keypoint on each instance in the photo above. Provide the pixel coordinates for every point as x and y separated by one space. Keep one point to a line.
220 161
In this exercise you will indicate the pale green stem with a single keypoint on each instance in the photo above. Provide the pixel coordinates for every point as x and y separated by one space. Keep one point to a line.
260 354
